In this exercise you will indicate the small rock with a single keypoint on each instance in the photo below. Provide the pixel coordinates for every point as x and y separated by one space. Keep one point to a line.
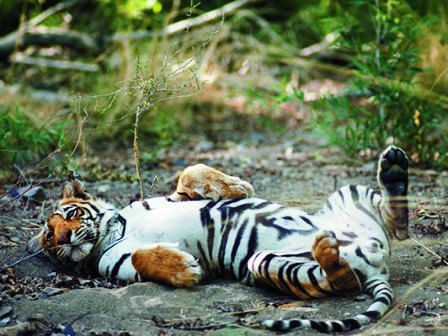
35 194
5 311
24 328
102 189
50 291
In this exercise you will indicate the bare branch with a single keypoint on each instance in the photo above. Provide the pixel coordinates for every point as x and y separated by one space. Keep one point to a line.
184 24
8 42
59 64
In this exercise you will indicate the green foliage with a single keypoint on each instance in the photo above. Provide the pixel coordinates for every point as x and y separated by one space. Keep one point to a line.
384 102
24 140
132 14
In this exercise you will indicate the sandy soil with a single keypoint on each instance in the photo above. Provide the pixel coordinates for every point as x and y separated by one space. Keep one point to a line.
39 298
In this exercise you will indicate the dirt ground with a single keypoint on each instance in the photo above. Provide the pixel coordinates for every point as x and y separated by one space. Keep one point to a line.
37 297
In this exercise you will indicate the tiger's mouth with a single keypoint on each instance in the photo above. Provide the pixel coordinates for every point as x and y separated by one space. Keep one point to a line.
74 252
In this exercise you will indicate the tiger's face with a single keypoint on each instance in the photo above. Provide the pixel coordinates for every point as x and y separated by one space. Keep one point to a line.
71 232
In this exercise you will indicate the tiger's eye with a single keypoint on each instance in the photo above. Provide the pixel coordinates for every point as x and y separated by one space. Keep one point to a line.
71 214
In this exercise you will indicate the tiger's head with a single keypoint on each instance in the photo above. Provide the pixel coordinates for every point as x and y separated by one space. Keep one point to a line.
71 232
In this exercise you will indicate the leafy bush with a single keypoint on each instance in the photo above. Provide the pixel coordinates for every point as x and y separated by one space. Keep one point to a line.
384 103
23 140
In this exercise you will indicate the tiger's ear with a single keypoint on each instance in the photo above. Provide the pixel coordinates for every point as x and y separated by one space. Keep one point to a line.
74 188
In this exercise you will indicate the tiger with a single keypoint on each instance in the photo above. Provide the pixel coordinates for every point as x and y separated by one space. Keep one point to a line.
213 226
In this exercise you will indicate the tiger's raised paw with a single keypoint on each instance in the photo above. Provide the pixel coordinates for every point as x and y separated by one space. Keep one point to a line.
325 249
393 171
165 263
204 182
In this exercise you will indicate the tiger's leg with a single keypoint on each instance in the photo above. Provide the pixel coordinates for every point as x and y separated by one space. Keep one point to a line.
393 180
299 275
164 262
201 181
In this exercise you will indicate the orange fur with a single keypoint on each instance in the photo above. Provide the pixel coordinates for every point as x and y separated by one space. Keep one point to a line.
165 265
200 181
60 227
339 272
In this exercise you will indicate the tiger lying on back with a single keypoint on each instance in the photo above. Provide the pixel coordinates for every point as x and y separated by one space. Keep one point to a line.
341 249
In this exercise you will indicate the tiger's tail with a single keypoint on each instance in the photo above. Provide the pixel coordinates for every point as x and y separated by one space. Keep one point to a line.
382 300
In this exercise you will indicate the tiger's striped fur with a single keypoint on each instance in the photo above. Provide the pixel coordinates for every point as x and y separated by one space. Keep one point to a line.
339 250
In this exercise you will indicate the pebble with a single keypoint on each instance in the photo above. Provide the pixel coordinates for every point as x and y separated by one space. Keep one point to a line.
5 311
47 292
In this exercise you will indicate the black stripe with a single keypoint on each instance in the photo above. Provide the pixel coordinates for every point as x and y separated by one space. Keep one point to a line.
203 255
314 281
360 254
107 271
136 277
239 235
382 300
228 202
350 234
265 271
341 195
209 223
352 323
122 220
92 206
106 250
320 326
118 264
251 248
355 197
223 244
281 278
294 278
308 221
372 314
307 255
262 205
336 326
329 205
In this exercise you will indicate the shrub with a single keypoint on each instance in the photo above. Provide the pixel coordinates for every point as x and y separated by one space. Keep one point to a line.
23 140
384 102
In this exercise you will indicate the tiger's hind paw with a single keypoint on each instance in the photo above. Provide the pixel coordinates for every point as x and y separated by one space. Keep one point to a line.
393 167
325 249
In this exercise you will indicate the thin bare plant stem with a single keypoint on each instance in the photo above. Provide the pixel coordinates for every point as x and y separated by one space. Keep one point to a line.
137 152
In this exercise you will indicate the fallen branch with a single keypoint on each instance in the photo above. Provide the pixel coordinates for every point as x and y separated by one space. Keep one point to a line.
8 42
58 64
66 38
184 24
24 258
320 47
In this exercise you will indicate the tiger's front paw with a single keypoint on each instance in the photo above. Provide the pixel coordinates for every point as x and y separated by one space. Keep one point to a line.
166 263
393 171
203 182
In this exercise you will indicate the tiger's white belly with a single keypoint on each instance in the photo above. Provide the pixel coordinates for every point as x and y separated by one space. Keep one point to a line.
159 221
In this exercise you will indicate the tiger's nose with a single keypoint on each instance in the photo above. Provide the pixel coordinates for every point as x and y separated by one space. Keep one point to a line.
64 237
